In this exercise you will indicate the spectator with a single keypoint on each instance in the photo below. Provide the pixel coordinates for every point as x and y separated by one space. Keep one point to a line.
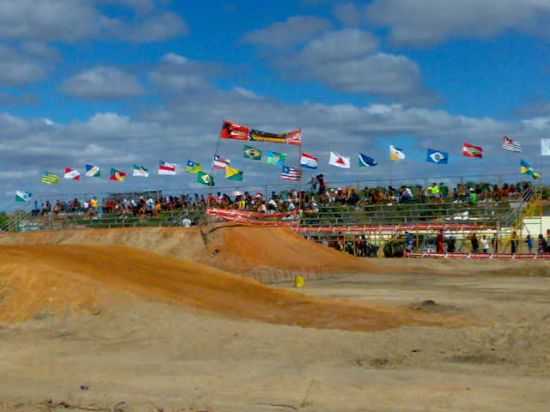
485 244
475 243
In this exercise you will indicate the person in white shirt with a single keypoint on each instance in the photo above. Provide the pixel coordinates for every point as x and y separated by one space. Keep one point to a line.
485 244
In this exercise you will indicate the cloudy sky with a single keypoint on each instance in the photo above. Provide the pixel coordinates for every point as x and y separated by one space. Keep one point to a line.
118 82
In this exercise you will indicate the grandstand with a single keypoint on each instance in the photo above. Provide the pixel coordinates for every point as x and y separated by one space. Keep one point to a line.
377 215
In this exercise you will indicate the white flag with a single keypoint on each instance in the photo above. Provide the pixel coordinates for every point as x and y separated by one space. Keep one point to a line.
339 161
545 147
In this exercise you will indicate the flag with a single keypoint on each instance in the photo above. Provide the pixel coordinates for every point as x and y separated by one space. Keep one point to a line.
50 178
510 145
234 131
294 137
365 161
545 147
22 197
290 173
205 179
437 156
470 150
193 167
118 175
309 161
71 174
275 158
167 169
220 163
526 169
396 153
232 173
140 171
93 171
338 160
251 152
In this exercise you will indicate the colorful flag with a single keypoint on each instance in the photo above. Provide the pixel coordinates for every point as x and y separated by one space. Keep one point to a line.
309 161
205 179
140 171
167 169
50 178
472 151
22 197
251 152
290 173
396 153
294 137
276 158
234 131
118 175
93 171
526 169
510 145
193 167
545 147
366 161
338 160
232 173
220 163
437 156
71 174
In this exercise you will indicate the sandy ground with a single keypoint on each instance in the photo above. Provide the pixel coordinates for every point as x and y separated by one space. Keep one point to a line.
139 355
95 321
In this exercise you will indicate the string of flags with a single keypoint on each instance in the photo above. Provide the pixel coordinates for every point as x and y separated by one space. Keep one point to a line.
235 131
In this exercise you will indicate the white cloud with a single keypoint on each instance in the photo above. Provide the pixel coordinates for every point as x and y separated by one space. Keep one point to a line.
19 68
178 73
74 20
424 22
295 30
348 61
340 45
348 14
103 83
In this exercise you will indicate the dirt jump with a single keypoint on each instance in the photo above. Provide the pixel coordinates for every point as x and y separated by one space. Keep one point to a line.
244 250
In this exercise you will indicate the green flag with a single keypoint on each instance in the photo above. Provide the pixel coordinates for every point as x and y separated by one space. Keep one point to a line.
275 158
49 178
205 179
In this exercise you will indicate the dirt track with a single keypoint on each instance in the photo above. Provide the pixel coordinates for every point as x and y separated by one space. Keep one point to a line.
154 355
141 331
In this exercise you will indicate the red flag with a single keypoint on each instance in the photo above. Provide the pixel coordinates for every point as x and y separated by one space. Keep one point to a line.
470 150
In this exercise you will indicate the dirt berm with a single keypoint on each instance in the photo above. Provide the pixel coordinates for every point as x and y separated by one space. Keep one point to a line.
245 250
40 280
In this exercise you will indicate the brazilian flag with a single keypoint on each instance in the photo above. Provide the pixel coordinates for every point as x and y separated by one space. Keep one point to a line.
252 153
205 179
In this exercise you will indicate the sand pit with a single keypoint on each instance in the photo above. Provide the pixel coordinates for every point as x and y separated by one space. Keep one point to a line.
244 250
40 277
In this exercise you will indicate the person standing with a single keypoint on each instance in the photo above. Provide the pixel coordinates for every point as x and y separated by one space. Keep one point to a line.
514 243
542 244
529 241
475 243
485 244
440 242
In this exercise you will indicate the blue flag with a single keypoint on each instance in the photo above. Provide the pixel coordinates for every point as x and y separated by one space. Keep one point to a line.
437 156
365 161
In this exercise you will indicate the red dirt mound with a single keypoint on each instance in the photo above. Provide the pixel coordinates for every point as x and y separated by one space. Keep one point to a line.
35 278
236 249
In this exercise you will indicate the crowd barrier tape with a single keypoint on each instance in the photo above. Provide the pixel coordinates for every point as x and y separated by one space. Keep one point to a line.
479 256
391 228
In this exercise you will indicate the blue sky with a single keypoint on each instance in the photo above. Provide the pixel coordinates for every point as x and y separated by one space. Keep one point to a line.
117 82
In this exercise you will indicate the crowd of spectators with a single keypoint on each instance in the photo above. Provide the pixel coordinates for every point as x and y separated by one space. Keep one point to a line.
154 203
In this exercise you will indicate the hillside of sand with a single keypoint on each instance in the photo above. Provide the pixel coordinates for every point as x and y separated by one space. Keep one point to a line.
244 250
54 278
